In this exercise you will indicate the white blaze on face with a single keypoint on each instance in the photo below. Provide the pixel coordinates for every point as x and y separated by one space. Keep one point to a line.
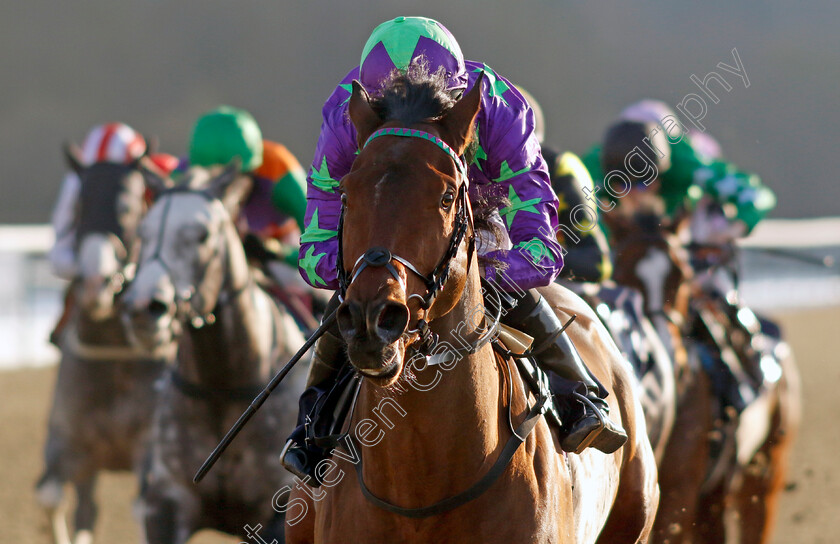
98 264
653 270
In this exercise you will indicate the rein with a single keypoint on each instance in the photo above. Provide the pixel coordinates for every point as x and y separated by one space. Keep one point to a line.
213 394
379 257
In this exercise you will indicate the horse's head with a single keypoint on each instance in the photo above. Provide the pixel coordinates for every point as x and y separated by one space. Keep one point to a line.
405 218
649 258
190 248
111 204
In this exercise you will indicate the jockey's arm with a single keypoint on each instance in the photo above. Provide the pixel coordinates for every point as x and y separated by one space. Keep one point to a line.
518 171
62 255
334 156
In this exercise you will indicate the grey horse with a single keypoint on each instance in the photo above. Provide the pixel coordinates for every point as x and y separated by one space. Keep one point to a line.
104 396
194 288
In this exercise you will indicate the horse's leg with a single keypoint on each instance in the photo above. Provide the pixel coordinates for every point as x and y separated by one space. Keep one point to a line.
764 478
166 512
86 511
684 465
50 488
710 526
169 520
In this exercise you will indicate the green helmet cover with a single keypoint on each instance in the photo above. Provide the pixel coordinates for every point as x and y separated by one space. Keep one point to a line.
223 134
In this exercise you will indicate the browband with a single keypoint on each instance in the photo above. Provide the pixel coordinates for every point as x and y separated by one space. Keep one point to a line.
412 133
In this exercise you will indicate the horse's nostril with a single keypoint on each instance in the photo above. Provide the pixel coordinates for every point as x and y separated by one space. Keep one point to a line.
351 321
157 308
391 321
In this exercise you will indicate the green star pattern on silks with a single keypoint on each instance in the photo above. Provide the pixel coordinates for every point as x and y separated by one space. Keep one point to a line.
479 151
308 263
321 178
349 88
505 172
400 45
497 86
314 233
518 205
536 248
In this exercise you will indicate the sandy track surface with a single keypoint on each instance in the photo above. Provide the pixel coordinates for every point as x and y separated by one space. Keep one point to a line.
808 511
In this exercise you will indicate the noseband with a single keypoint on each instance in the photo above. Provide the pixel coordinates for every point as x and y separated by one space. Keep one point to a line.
379 257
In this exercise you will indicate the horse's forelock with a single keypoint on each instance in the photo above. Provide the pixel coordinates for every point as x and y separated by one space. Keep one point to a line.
101 186
413 96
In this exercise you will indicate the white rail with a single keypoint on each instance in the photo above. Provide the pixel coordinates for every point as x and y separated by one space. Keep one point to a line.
31 298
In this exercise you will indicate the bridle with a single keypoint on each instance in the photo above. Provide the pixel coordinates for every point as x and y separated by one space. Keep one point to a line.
379 257
184 299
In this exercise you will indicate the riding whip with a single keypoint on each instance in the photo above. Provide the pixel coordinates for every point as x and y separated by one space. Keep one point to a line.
260 399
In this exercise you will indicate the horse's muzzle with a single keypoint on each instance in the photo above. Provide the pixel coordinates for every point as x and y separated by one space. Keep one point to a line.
372 332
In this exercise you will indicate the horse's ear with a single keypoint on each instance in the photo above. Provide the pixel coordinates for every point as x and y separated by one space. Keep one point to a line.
361 114
73 156
458 123
231 186
156 180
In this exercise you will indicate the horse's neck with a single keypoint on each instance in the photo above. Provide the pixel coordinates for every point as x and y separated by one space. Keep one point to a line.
450 430
106 332
236 349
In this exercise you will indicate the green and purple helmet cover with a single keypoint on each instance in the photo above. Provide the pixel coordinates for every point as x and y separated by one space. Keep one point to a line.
397 43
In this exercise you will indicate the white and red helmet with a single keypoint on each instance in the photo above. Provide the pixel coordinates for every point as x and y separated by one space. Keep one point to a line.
112 142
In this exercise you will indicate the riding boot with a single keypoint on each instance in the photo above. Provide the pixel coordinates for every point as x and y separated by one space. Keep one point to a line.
556 352
298 456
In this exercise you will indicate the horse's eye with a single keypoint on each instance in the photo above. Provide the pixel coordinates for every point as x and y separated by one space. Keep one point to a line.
446 201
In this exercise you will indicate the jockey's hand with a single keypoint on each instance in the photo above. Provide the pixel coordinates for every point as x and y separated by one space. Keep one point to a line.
256 249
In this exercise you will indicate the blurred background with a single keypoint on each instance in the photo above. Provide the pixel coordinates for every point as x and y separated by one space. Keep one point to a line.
158 65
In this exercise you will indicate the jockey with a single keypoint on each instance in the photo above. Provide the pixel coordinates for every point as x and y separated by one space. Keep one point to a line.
590 260
507 160
110 142
275 208
688 165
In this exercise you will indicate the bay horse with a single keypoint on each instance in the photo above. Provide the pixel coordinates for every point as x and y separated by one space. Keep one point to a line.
733 491
194 289
104 394
422 460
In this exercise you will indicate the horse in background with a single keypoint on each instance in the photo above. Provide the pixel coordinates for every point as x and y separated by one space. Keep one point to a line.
195 290
620 308
105 391
422 474
722 473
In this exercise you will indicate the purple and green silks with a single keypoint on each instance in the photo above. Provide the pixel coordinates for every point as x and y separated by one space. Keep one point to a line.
508 162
